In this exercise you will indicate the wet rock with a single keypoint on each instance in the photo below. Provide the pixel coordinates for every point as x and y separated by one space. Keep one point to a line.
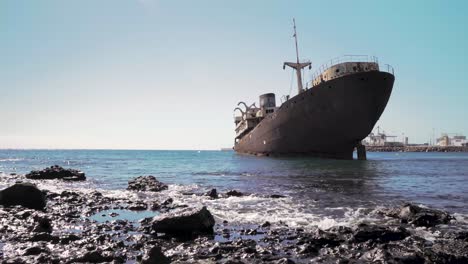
155 206
57 172
185 221
35 250
95 256
167 202
266 224
285 261
308 249
459 235
277 196
24 194
448 251
43 224
155 256
213 194
44 237
234 193
66 239
419 216
138 206
379 234
147 184
392 254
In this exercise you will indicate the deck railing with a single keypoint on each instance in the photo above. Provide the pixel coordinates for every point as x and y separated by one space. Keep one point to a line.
350 58
387 68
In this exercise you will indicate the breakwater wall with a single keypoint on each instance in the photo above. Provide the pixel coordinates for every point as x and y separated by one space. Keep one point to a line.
416 149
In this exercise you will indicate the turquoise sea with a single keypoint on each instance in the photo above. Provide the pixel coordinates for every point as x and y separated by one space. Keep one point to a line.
319 191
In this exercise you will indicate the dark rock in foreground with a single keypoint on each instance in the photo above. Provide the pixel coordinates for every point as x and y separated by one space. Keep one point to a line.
95 256
234 193
50 236
448 251
146 184
155 256
379 233
213 194
24 194
57 172
276 196
185 222
419 216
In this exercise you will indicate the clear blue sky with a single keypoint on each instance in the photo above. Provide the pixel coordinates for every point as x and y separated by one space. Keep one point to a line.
160 74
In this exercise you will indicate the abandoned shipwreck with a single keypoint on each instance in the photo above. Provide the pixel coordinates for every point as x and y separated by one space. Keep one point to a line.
327 118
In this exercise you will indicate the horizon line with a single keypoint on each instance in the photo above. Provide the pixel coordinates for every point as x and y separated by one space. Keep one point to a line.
112 149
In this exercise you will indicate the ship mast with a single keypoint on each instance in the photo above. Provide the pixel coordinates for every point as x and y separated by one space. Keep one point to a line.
298 66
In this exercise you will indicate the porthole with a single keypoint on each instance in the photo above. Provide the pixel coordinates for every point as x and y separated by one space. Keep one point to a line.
337 70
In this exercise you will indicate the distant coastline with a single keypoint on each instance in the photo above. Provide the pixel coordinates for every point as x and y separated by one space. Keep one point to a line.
419 148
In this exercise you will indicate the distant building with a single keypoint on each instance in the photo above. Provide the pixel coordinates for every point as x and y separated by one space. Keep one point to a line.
457 141
443 141
383 140
375 139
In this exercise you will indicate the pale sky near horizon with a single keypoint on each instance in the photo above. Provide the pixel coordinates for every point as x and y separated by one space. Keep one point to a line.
159 74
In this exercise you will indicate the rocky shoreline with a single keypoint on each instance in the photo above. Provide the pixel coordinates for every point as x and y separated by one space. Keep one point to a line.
65 230
415 149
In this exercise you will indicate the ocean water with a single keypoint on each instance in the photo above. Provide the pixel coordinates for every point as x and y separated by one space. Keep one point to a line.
319 192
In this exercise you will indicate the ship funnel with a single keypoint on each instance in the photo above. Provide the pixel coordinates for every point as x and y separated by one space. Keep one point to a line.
267 100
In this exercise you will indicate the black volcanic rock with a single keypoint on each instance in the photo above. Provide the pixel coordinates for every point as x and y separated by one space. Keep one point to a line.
155 256
379 233
57 172
185 222
419 216
147 184
43 224
213 194
448 251
234 193
24 194
392 253
276 196
96 256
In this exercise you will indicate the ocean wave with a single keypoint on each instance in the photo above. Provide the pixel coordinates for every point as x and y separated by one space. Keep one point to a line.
249 209
11 159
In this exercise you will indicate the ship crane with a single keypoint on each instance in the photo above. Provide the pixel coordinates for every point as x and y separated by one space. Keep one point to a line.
298 66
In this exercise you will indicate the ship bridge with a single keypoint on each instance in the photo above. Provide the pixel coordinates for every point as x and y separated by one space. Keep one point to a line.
346 65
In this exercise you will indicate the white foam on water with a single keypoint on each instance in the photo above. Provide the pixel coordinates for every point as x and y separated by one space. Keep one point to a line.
249 209
11 159
253 209
426 233
461 219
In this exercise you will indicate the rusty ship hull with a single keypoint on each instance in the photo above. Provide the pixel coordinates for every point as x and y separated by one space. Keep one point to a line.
328 120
